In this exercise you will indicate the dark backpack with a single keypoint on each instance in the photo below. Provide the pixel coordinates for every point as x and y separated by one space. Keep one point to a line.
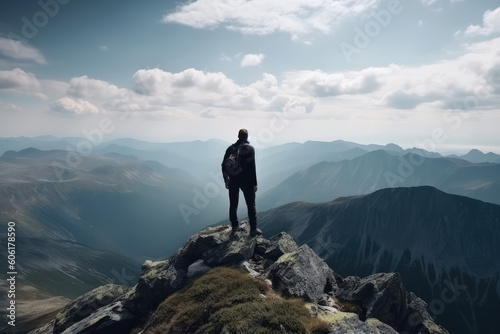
231 164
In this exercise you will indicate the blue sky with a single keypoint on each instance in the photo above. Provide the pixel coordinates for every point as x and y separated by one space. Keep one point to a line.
417 73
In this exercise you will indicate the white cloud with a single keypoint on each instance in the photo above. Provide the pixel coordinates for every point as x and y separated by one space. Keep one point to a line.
430 2
491 24
20 82
444 84
17 79
193 86
87 88
209 113
6 106
192 90
320 84
267 87
299 105
252 60
18 50
466 82
223 57
103 47
262 17
74 106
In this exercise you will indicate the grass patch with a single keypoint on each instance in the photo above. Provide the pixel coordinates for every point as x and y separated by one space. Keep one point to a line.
230 301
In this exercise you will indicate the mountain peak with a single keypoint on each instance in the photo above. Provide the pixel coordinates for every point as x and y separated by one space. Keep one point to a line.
374 304
27 152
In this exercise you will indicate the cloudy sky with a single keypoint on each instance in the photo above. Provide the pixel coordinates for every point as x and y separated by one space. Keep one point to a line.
417 73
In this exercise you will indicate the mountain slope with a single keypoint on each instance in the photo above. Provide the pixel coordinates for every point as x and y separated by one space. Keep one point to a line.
376 170
430 237
109 202
51 271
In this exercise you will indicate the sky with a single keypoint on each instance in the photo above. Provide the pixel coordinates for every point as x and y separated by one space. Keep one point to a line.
418 73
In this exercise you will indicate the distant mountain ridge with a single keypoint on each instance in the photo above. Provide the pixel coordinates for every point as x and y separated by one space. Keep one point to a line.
376 170
476 155
432 238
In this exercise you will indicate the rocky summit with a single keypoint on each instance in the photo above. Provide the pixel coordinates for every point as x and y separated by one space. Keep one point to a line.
375 304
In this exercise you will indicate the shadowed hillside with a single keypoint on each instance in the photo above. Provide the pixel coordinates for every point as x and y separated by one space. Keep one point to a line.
437 241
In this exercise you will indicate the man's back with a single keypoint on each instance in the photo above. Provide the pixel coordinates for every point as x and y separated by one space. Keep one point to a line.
245 173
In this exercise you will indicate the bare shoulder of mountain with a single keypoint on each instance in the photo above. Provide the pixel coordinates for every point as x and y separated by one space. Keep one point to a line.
445 246
112 202
376 170
198 290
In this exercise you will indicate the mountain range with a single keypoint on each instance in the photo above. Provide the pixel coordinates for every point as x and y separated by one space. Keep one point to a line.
445 246
380 169
88 219
201 159
111 202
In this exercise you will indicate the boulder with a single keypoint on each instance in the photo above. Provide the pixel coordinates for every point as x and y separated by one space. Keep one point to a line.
384 297
419 320
280 244
303 274
197 268
344 322
112 318
261 245
231 251
88 303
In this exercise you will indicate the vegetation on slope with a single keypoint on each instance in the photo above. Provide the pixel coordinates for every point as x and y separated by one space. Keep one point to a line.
226 300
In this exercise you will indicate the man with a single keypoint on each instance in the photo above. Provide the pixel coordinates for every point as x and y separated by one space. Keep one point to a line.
238 169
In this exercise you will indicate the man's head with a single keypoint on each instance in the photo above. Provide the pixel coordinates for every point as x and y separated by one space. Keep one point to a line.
243 134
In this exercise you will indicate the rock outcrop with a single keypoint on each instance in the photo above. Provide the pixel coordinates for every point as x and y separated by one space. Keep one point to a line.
374 304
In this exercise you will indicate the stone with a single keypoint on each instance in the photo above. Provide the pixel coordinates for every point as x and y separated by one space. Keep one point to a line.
383 296
197 268
280 244
86 304
419 319
349 323
232 251
303 274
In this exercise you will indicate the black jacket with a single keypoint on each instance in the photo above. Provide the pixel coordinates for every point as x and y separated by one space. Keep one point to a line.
247 175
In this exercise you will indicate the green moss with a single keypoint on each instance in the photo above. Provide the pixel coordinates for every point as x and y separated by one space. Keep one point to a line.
229 300
287 257
339 318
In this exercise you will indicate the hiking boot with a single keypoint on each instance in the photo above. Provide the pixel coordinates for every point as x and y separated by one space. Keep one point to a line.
255 232
235 230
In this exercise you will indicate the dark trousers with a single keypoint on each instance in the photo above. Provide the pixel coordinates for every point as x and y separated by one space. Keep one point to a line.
234 194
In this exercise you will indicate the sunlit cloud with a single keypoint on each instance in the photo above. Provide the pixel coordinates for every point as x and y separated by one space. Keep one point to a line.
263 17
490 26
252 60
19 50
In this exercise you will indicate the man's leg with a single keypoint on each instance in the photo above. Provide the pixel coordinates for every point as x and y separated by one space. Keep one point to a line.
234 192
249 193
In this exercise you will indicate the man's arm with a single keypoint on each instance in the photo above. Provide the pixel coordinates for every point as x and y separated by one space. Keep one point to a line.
225 175
253 171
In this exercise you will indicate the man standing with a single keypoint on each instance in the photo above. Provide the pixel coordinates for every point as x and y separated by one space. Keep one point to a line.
238 169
